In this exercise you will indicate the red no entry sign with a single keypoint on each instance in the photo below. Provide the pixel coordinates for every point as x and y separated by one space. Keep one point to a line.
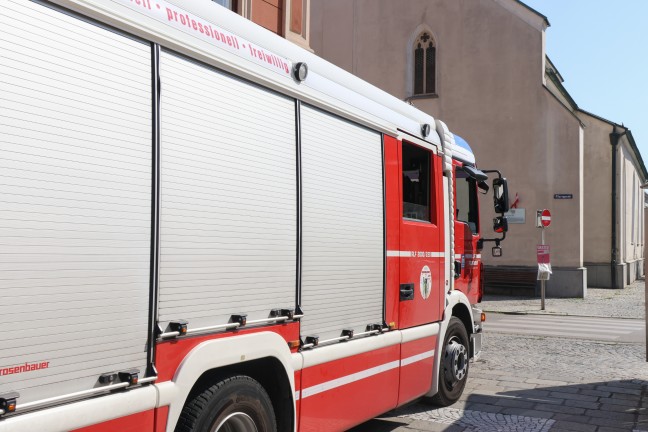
545 218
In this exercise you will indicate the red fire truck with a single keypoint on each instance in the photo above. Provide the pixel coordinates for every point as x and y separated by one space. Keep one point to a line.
207 228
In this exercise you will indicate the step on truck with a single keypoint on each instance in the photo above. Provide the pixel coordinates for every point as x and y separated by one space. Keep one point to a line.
207 228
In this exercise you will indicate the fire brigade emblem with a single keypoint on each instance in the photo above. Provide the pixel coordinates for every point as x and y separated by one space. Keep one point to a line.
426 282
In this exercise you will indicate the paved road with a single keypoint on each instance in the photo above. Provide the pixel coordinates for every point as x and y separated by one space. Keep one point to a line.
590 328
551 372
539 384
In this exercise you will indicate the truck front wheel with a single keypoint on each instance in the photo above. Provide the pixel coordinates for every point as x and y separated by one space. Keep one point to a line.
453 372
235 404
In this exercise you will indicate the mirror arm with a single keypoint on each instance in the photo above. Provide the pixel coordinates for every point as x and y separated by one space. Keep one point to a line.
499 174
481 241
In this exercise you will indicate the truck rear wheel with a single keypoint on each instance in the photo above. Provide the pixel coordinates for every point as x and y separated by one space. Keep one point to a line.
235 404
453 372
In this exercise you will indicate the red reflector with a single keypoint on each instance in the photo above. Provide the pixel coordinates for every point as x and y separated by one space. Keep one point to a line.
483 317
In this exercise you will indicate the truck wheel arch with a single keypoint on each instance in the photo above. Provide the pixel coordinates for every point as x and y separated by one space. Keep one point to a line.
457 305
211 359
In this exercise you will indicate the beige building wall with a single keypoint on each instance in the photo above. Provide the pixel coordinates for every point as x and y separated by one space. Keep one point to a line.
560 174
631 245
491 91
598 193
630 176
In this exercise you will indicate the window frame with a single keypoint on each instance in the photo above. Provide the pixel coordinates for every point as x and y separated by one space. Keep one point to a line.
425 74
431 184
473 200
233 4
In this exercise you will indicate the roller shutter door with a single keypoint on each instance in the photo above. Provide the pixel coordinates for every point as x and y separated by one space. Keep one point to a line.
343 252
75 201
229 200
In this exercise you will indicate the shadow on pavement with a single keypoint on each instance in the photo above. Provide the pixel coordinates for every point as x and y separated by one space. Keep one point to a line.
620 405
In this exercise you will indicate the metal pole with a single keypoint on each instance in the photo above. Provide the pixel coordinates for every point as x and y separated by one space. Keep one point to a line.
542 282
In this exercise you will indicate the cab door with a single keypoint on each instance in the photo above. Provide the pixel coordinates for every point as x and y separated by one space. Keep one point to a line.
421 246
421 266
467 256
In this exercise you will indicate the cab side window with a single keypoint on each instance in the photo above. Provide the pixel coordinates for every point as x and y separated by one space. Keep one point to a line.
466 203
416 182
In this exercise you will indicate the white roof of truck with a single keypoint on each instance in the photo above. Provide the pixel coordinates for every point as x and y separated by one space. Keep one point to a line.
213 34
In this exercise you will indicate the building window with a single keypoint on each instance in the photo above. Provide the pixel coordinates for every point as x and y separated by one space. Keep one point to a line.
269 14
416 183
297 16
424 65
229 4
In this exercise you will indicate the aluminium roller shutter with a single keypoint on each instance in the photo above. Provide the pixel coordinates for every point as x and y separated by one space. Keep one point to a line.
228 197
343 246
75 201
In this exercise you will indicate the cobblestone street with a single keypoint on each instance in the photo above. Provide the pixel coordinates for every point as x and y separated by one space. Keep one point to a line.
529 383
625 303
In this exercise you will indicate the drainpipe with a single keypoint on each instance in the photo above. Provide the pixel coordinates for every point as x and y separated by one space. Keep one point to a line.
614 140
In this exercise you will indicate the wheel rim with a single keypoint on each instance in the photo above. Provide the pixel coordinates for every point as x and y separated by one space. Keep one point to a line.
455 361
236 422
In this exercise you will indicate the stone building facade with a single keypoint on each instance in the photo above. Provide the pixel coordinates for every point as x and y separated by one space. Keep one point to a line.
481 67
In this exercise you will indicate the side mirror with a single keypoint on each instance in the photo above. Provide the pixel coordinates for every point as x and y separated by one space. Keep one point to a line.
500 224
500 195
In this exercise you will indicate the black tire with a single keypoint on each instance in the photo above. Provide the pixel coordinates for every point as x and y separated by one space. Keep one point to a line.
237 399
455 362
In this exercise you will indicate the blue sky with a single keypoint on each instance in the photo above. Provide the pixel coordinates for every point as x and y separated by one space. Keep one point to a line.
600 48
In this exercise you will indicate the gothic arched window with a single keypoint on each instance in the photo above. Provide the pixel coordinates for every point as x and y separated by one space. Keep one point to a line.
424 65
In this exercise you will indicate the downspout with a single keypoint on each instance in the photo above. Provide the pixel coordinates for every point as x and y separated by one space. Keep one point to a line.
614 140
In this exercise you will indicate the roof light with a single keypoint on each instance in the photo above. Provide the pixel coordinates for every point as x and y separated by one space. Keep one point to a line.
300 71
425 130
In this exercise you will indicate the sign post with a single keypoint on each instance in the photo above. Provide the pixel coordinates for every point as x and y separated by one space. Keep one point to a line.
543 220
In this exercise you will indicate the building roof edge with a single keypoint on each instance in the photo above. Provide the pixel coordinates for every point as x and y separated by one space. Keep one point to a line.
631 140
546 20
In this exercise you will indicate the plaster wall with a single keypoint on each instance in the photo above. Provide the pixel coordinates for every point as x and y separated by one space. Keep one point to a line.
558 172
630 224
598 191
490 91
632 242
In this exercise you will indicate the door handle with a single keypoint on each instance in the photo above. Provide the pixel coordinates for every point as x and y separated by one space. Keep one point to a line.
407 291
457 269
